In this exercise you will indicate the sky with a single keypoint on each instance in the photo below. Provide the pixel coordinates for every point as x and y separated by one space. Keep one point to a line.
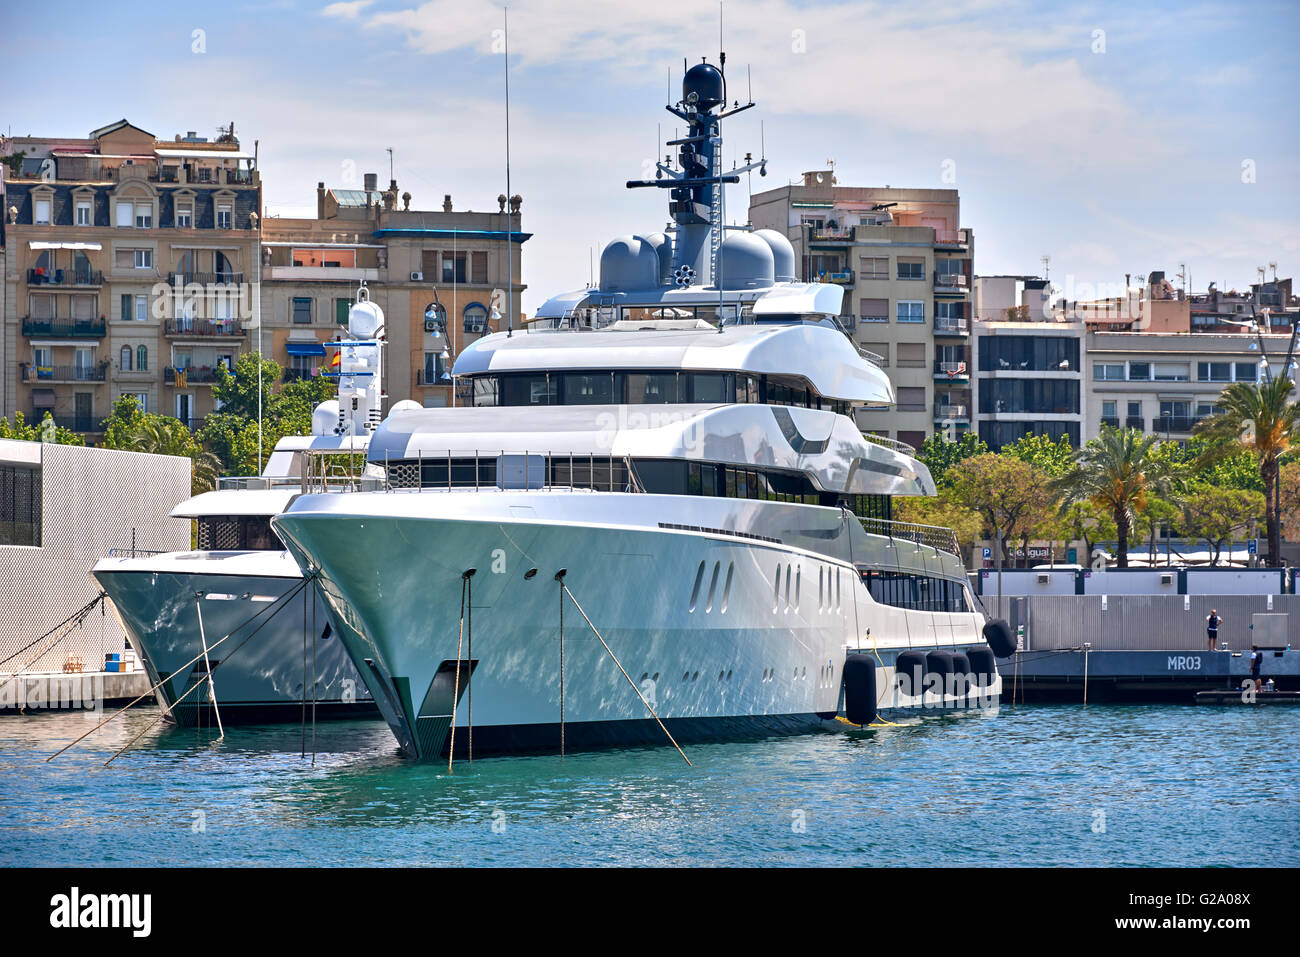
1114 138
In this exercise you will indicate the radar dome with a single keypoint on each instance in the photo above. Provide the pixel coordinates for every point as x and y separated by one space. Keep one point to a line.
782 254
705 83
325 418
664 247
405 405
746 262
629 262
365 319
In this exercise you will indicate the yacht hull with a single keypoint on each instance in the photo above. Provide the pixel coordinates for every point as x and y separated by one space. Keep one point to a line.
265 636
697 621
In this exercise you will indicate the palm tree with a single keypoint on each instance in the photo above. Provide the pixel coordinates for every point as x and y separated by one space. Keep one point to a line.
1117 471
1262 419
165 436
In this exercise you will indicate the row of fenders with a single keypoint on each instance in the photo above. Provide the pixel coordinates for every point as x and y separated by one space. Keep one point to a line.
954 673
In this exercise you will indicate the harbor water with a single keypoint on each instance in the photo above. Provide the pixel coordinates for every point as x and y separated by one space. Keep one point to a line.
1024 785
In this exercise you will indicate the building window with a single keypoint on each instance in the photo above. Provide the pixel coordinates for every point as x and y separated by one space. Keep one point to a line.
124 362
475 319
911 310
142 359
1214 371
20 505
1139 371
141 308
434 368
41 212
1246 372
125 214
225 217
184 215
144 216
874 310
873 267
301 309
1108 411
478 271
1171 372
143 259
1107 371
1035 353
83 213
911 268
453 267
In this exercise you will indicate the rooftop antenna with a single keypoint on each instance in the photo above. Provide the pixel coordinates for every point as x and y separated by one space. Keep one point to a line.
391 177
1273 266
510 216
1047 263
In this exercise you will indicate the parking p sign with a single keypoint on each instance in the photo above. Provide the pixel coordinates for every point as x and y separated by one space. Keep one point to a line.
987 554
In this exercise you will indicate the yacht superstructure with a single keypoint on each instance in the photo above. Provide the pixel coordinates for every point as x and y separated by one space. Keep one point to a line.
660 483
232 630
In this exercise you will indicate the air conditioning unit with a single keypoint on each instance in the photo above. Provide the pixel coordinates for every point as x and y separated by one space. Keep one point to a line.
1044 578
433 325
1166 578
417 277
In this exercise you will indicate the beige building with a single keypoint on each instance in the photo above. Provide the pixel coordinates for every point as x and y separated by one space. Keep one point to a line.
128 270
443 278
906 266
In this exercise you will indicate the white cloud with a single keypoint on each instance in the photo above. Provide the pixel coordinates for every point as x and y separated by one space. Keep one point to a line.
346 9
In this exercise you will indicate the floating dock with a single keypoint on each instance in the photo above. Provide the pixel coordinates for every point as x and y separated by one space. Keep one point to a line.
1139 676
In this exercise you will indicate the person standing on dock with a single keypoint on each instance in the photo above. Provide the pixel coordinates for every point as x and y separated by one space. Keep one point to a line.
1212 622
1256 661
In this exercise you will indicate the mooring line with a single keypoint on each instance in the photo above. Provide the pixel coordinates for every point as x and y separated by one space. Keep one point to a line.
207 664
455 695
152 690
71 621
559 577
625 674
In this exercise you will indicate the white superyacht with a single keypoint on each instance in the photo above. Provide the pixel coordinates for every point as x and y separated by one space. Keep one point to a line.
231 632
654 515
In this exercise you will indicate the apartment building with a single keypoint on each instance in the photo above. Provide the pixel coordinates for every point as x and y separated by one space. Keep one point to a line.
906 265
444 279
1028 363
126 268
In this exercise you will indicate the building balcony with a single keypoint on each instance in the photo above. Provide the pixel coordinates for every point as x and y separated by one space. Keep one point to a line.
831 235
951 327
431 377
951 412
1111 421
951 283
838 278
951 370
1134 422
205 278
296 375
1174 423
957 238
203 328
849 323
183 378
65 278
321 273
64 373
64 328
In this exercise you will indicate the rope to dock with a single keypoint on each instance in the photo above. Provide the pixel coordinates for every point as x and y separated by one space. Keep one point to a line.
455 697
611 654
207 664
283 598
71 621
559 577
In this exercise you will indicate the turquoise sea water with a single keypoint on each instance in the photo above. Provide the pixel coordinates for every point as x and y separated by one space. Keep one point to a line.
1024 785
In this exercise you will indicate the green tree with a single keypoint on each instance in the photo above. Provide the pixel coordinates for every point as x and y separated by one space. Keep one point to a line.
1260 419
232 433
1010 496
45 431
1117 471
1218 515
1084 521
1290 500
939 455
1054 458
162 435
941 510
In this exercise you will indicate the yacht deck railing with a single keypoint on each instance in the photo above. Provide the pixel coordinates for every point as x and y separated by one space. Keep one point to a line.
935 536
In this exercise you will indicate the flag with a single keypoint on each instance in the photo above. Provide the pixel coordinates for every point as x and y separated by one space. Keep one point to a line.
182 375
337 360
